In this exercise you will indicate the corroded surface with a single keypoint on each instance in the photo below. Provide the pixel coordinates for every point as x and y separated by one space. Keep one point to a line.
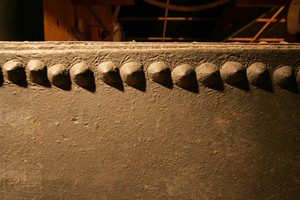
151 138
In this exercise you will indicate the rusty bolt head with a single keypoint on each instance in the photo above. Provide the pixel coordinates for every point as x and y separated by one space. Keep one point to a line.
233 73
15 72
132 73
37 71
59 75
81 74
284 76
208 74
159 72
257 74
109 72
183 75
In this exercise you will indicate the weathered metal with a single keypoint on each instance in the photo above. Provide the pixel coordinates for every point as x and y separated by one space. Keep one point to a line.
177 121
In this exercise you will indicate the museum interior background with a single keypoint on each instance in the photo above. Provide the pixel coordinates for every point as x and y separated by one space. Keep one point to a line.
250 21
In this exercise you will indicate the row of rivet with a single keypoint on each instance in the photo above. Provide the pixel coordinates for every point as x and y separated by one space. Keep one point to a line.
132 74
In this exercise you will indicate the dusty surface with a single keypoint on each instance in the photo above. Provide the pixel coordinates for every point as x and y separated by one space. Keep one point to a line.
157 143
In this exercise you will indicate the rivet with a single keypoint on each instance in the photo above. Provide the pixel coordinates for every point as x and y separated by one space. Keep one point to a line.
82 75
15 72
159 72
132 73
109 72
257 74
38 72
284 77
233 73
183 75
208 74
59 76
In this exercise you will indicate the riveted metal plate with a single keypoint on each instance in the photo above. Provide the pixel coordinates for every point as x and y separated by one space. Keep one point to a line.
82 120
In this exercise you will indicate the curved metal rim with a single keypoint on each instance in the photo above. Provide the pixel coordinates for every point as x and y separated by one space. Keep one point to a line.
187 8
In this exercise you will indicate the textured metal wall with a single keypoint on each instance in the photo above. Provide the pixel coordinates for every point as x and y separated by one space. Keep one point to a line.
149 121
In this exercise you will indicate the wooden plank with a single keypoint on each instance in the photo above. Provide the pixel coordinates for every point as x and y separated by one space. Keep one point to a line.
165 21
246 24
90 24
267 24
165 38
274 20
58 20
261 3
168 18
260 39
103 2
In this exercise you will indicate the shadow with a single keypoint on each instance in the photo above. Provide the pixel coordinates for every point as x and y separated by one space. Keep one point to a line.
243 84
218 86
18 77
292 85
62 81
1 77
194 87
40 77
140 86
139 77
193 83
117 85
167 79
265 82
86 81
215 82
115 80
167 83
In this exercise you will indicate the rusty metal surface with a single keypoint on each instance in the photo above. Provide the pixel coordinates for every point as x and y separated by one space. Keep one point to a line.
149 121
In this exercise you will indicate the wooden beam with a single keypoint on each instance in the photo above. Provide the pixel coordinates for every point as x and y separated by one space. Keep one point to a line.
103 2
274 20
260 39
165 21
261 3
59 18
267 24
168 18
187 8
165 38
91 27
248 24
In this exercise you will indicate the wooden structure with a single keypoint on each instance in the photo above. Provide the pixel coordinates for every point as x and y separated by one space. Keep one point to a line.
95 20
66 20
